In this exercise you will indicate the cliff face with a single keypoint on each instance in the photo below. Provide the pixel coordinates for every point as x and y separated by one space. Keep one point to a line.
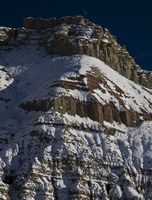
77 35
71 126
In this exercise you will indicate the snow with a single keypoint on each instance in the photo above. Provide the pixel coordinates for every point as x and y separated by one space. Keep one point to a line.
29 67
105 98
116 192
5 80
135 96
138 139
115 125
31 74
75 93
132 193
87 122
105 40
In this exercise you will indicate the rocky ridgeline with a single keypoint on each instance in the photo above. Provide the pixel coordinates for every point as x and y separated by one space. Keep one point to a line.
76 35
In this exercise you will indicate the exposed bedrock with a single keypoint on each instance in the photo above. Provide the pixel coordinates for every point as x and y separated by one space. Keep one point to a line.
77 35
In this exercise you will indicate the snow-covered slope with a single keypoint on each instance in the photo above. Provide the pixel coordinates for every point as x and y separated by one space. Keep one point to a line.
72 128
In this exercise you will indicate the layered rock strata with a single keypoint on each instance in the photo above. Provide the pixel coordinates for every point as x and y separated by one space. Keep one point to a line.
77 35
72 128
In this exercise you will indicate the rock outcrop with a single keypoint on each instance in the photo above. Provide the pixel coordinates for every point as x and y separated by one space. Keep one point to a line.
77 35
72 128
40 23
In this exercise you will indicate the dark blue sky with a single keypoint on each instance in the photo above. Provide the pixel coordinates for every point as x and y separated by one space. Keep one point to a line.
130 21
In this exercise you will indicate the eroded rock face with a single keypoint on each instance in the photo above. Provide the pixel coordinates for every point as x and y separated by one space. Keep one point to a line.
39 23
91 107
76 35
71 127
4 35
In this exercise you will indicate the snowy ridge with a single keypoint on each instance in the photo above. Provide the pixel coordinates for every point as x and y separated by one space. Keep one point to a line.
134 96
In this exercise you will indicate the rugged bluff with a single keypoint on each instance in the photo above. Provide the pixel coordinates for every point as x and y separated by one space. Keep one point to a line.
72 127
77 35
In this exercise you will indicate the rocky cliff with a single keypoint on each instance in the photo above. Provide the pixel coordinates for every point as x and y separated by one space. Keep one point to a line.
77 35
72 127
